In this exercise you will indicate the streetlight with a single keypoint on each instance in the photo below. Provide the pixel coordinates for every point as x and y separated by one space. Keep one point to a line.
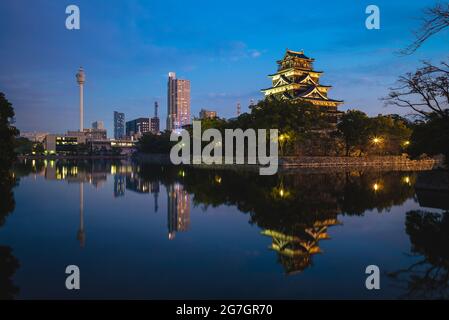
282 139
376 140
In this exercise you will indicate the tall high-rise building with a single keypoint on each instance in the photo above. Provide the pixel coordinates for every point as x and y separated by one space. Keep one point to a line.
154 121
178 102
98 125
119 125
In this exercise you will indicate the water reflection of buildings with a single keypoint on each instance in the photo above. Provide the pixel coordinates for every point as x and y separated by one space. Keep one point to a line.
155 192
295 251
178 207
81 234
76 174
119 185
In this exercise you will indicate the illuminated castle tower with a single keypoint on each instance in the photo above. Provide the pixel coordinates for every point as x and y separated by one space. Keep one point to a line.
296 80
80 79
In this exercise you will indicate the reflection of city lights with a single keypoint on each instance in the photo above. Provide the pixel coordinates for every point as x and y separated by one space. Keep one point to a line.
377 186
281 192
113 169
218 179
406 180
182 173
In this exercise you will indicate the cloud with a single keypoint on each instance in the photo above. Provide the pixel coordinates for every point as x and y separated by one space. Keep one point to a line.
256 53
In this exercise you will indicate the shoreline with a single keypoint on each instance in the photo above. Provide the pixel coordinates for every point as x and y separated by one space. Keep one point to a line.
325 162
78 157
292 164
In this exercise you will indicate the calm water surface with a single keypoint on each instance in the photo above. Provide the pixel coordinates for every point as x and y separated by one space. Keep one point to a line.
170 233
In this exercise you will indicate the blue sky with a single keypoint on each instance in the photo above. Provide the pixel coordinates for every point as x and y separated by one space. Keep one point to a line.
225 48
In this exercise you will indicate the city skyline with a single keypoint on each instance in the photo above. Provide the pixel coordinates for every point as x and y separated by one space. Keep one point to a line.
139 47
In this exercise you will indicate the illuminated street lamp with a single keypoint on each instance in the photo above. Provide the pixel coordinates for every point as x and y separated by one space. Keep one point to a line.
376 140
282 139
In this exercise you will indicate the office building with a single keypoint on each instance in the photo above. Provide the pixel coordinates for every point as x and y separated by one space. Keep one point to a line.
98 125
178 102
119 125
135 128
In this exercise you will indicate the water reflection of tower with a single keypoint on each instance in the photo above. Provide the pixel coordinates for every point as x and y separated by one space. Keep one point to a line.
119 185
155 191
178 208
81 235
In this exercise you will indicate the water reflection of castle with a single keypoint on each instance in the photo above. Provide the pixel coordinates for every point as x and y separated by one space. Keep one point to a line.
295 252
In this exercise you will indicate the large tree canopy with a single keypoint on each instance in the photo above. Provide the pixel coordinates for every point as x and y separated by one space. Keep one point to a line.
7 132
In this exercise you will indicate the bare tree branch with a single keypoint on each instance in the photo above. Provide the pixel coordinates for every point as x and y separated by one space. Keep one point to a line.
426 91
435 19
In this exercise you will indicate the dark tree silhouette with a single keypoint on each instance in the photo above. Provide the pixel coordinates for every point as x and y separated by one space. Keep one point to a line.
8 267
435 19
425 91
428 277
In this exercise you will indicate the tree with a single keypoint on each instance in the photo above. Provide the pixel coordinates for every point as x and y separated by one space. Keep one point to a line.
426 91
294 120
435 19
7 132
430 137
392 132
354 127
23 146
152 143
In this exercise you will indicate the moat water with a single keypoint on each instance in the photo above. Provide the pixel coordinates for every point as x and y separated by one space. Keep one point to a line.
153 232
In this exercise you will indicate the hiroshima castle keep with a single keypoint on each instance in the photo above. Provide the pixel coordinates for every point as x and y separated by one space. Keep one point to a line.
296 80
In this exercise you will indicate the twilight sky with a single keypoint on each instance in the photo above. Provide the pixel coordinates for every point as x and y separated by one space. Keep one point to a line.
226 48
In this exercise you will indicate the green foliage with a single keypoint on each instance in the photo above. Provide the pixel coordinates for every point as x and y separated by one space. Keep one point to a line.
286 116
7 132
431 137
379 135
152 143
354 127
393 131
23 146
